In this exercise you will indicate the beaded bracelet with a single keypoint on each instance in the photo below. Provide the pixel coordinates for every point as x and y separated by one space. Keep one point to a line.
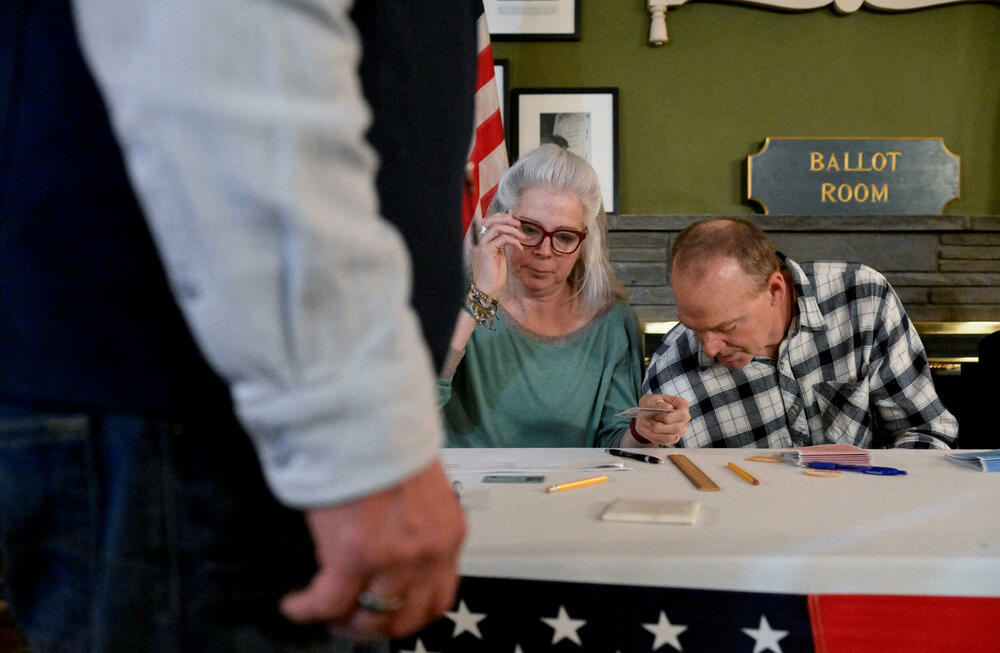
480 306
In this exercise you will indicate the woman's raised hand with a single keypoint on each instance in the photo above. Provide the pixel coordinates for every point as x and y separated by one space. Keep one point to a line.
489 264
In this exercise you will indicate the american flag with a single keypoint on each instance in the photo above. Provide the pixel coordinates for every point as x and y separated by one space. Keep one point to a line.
515 616
488 153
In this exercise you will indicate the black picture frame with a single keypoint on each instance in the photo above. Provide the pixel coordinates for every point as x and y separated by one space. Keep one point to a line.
533 20
585 120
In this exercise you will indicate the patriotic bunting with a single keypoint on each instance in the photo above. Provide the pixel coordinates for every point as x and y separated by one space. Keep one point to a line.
488 153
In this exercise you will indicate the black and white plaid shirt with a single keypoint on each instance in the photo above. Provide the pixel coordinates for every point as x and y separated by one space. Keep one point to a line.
851 369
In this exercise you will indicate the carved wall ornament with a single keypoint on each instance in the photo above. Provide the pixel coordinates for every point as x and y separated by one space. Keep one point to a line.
658 9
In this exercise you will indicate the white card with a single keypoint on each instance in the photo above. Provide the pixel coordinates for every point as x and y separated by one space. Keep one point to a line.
635 411
652 510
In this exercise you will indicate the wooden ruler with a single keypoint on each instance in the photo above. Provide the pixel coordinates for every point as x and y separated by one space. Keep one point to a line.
694 474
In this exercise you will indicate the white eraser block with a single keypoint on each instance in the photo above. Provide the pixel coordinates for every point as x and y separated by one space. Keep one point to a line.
652 510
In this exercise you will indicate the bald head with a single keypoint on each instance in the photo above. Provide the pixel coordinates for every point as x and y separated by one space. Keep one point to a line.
702 245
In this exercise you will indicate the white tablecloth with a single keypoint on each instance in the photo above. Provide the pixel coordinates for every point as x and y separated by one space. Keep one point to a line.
935 531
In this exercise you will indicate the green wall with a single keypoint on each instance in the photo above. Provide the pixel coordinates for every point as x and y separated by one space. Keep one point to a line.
690 111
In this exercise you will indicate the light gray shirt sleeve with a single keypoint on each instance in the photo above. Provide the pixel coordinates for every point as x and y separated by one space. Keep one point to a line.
242 126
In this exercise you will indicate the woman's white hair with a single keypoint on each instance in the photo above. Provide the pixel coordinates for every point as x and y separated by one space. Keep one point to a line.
593 278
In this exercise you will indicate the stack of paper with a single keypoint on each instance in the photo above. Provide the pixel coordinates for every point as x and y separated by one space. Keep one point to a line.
842 454
984 461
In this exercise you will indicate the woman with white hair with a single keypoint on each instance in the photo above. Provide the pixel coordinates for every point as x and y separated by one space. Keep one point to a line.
548 350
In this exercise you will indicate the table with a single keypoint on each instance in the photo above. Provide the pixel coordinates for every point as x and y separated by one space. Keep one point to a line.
795 563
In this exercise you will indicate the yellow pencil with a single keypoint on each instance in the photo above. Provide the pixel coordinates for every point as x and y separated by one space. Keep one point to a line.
575 484
749 479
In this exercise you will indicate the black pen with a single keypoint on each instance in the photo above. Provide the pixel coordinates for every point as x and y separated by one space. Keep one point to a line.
621 453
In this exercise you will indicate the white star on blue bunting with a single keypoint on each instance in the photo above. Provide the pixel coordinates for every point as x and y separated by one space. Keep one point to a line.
465 621
665 632
565 628
419 648
764 637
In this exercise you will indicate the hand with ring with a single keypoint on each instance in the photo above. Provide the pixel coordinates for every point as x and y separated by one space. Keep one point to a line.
663 428
489 262
387 563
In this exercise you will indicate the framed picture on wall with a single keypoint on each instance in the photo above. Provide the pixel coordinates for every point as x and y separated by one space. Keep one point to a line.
500 74
533 20
583 120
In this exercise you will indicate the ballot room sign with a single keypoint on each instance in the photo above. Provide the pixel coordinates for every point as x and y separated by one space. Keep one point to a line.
853 176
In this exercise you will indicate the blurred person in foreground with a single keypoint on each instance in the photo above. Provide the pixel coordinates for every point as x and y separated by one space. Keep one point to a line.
771 353
196 453
548 350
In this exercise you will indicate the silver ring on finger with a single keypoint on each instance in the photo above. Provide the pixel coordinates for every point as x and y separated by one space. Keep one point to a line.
379 604
482 231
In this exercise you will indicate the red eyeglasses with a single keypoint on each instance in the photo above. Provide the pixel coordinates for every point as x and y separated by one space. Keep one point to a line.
563 241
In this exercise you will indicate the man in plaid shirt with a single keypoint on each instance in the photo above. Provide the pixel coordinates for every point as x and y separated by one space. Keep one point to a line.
773 354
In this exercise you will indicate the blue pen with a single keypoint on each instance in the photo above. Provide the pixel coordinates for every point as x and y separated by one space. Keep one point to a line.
863 469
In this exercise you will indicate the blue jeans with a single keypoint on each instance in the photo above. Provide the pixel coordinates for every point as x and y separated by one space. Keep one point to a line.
124 533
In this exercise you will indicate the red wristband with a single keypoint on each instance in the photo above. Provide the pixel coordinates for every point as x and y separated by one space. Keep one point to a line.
635 434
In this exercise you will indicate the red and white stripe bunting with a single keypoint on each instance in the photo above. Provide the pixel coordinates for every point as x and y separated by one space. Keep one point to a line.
488 153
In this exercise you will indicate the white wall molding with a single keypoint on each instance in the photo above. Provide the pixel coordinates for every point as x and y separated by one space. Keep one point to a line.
658 9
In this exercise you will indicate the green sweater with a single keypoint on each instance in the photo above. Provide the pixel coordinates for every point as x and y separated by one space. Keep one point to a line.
516 388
